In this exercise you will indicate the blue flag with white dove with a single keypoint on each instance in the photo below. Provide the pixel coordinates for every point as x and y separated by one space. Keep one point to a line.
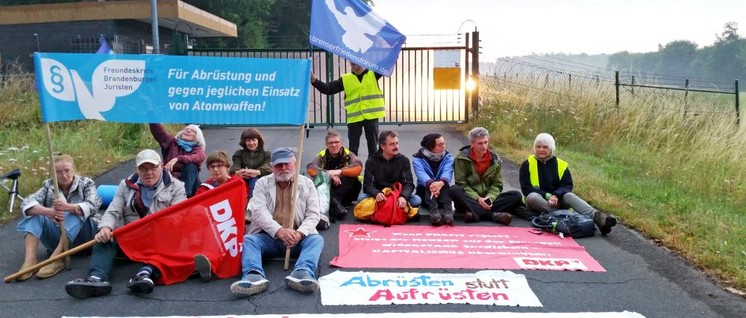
104 47
350 29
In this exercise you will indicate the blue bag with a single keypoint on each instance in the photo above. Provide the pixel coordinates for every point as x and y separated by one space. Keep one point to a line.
565 223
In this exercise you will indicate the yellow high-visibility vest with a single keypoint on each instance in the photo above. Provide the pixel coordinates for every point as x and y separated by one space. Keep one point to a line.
533 170
363 100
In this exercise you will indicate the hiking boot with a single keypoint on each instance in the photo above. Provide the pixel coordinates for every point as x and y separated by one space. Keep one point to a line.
91 286
302 281
502 218
27 275
469 217
447 216
203 267
435 218
50 269
252 283
604 222
141 283
337 210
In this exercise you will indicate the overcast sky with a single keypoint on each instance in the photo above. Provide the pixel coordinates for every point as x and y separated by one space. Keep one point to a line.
520 27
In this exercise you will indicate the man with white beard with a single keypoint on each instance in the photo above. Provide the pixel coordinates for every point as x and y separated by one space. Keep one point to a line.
270 207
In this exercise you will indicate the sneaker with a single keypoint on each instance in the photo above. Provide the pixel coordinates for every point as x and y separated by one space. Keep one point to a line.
252 283
91 286
203 267
502 217
302 281
604 222
141 283
50 269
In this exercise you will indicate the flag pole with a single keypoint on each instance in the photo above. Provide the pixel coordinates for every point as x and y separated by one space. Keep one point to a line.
50 260
63 232
296 176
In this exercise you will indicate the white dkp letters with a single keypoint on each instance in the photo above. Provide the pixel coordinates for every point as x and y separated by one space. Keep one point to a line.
223 215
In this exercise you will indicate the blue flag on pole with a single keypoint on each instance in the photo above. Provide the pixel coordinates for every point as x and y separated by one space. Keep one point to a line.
104 48
350 29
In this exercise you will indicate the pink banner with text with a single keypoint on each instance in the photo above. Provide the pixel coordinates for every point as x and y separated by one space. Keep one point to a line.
469 247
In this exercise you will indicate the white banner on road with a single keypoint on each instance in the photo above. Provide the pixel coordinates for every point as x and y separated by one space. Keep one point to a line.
493 287
625 314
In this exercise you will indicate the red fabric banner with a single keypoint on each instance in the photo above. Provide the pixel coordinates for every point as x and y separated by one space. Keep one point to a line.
211 224
472 247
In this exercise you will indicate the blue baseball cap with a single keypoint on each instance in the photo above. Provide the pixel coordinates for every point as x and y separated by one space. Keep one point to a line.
282 155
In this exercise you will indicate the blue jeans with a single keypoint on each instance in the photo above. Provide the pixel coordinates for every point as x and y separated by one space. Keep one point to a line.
414 200
190 176
250 182
47 231
260 245
102 259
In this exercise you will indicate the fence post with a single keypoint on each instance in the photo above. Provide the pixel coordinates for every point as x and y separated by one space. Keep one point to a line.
616 87
633 85
738 106
475 70
686 96
569 81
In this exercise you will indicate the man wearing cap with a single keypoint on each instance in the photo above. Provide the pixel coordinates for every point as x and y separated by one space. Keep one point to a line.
271 206
149 190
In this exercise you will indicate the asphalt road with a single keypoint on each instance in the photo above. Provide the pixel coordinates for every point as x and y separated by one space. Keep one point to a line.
641 277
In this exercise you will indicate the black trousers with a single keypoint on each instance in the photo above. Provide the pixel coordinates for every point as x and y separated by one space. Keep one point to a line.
347 191
355 130
507 201
443 201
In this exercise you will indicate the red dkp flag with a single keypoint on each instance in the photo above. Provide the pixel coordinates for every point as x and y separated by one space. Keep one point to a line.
211 224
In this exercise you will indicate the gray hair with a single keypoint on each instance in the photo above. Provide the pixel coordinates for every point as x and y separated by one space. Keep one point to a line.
200 138
478 132
545 139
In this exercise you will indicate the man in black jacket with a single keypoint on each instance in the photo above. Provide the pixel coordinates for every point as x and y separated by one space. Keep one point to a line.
386 167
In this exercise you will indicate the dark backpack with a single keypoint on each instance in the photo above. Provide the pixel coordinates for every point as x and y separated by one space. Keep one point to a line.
566 223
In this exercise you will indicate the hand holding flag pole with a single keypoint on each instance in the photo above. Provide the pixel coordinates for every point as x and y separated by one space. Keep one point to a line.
291 219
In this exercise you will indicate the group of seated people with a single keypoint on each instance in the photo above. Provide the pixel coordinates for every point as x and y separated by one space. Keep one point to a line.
470 181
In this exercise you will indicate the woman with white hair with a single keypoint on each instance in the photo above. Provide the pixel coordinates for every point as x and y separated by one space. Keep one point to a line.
183 154
547 184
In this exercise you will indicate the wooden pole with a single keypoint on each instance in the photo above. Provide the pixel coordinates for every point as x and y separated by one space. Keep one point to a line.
63 232
65 254
294 194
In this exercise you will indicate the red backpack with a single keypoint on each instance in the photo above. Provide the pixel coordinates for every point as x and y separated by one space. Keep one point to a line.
387 212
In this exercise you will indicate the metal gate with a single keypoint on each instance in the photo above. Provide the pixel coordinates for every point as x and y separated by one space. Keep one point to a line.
409 94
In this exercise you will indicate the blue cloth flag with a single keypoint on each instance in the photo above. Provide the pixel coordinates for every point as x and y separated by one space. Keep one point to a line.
104 47
350 29
172 89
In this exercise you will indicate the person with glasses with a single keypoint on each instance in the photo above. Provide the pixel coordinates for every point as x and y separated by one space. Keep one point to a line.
150 189
344 168
183 153
76 204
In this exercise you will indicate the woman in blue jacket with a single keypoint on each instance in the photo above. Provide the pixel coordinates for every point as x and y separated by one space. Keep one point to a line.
433 166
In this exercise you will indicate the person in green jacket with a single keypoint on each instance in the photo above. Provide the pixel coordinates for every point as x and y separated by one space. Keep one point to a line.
479 184
251 162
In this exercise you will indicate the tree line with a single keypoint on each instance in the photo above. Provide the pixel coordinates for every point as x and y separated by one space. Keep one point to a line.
724 60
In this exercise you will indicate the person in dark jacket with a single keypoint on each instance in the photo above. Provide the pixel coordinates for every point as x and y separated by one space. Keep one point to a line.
344 168
547 184
251 162
183 154
433 166
386 167
479 184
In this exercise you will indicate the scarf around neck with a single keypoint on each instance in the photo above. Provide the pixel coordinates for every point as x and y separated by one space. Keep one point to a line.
435 157
186 145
